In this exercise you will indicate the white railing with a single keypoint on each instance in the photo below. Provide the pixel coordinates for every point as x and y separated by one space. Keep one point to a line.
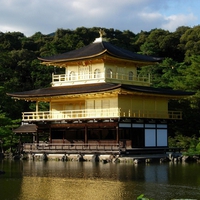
98 113
65 79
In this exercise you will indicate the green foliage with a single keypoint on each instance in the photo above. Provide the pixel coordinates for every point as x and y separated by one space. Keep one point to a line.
190 42
192 73
148 48
142 197
165 74
7 137
190 145
198 147
43 106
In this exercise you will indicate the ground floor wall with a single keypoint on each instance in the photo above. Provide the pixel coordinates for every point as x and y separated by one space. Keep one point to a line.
145 134
128 134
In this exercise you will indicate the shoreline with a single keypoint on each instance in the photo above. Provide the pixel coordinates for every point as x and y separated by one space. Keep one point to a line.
105 158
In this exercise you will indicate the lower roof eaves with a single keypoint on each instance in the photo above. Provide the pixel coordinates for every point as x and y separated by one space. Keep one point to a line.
95 88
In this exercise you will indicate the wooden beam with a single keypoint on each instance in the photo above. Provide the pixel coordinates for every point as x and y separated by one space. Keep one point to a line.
89 125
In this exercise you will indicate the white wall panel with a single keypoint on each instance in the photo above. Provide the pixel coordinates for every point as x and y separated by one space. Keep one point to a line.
162 137
150 137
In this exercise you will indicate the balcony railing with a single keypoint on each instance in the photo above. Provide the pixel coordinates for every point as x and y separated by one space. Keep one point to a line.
66 79
98 113
71 147
74 79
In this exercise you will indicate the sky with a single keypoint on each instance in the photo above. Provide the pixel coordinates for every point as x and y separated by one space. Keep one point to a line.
46 16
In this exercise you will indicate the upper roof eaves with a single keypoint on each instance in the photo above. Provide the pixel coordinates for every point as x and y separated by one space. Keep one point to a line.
91 50
96 49
126 54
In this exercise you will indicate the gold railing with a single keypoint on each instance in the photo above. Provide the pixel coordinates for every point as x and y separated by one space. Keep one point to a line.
98 113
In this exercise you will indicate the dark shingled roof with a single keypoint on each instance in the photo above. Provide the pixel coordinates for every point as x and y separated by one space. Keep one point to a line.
66 90
92 88
146 89
27 128
98 48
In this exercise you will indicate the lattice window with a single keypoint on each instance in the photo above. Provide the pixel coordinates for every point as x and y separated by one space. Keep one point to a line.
109 73
97 73
84 72
130 76
72 75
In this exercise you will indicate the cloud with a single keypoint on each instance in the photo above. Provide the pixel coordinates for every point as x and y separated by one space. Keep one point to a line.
174 21
47 16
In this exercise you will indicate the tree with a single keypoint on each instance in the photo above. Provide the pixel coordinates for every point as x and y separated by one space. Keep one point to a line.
192 74
11 41
156 37
148 49
141 38
7 137
190 42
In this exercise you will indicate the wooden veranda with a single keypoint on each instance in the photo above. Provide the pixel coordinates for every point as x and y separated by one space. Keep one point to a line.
76 148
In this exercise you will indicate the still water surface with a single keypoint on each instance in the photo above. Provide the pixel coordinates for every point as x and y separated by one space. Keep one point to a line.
56 180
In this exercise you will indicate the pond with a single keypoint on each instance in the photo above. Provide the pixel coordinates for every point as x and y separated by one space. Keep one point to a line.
57 180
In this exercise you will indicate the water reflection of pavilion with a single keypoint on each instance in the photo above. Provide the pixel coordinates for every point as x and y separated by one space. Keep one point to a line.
90 180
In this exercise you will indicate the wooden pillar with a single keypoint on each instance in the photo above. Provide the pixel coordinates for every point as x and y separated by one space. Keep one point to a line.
37 137
50 138
34 138
20 144
86 138
63 136
117 134
37 106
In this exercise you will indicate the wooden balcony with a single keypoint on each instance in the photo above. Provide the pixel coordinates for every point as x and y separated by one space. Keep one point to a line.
65 79
92 148
71 148
98 113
